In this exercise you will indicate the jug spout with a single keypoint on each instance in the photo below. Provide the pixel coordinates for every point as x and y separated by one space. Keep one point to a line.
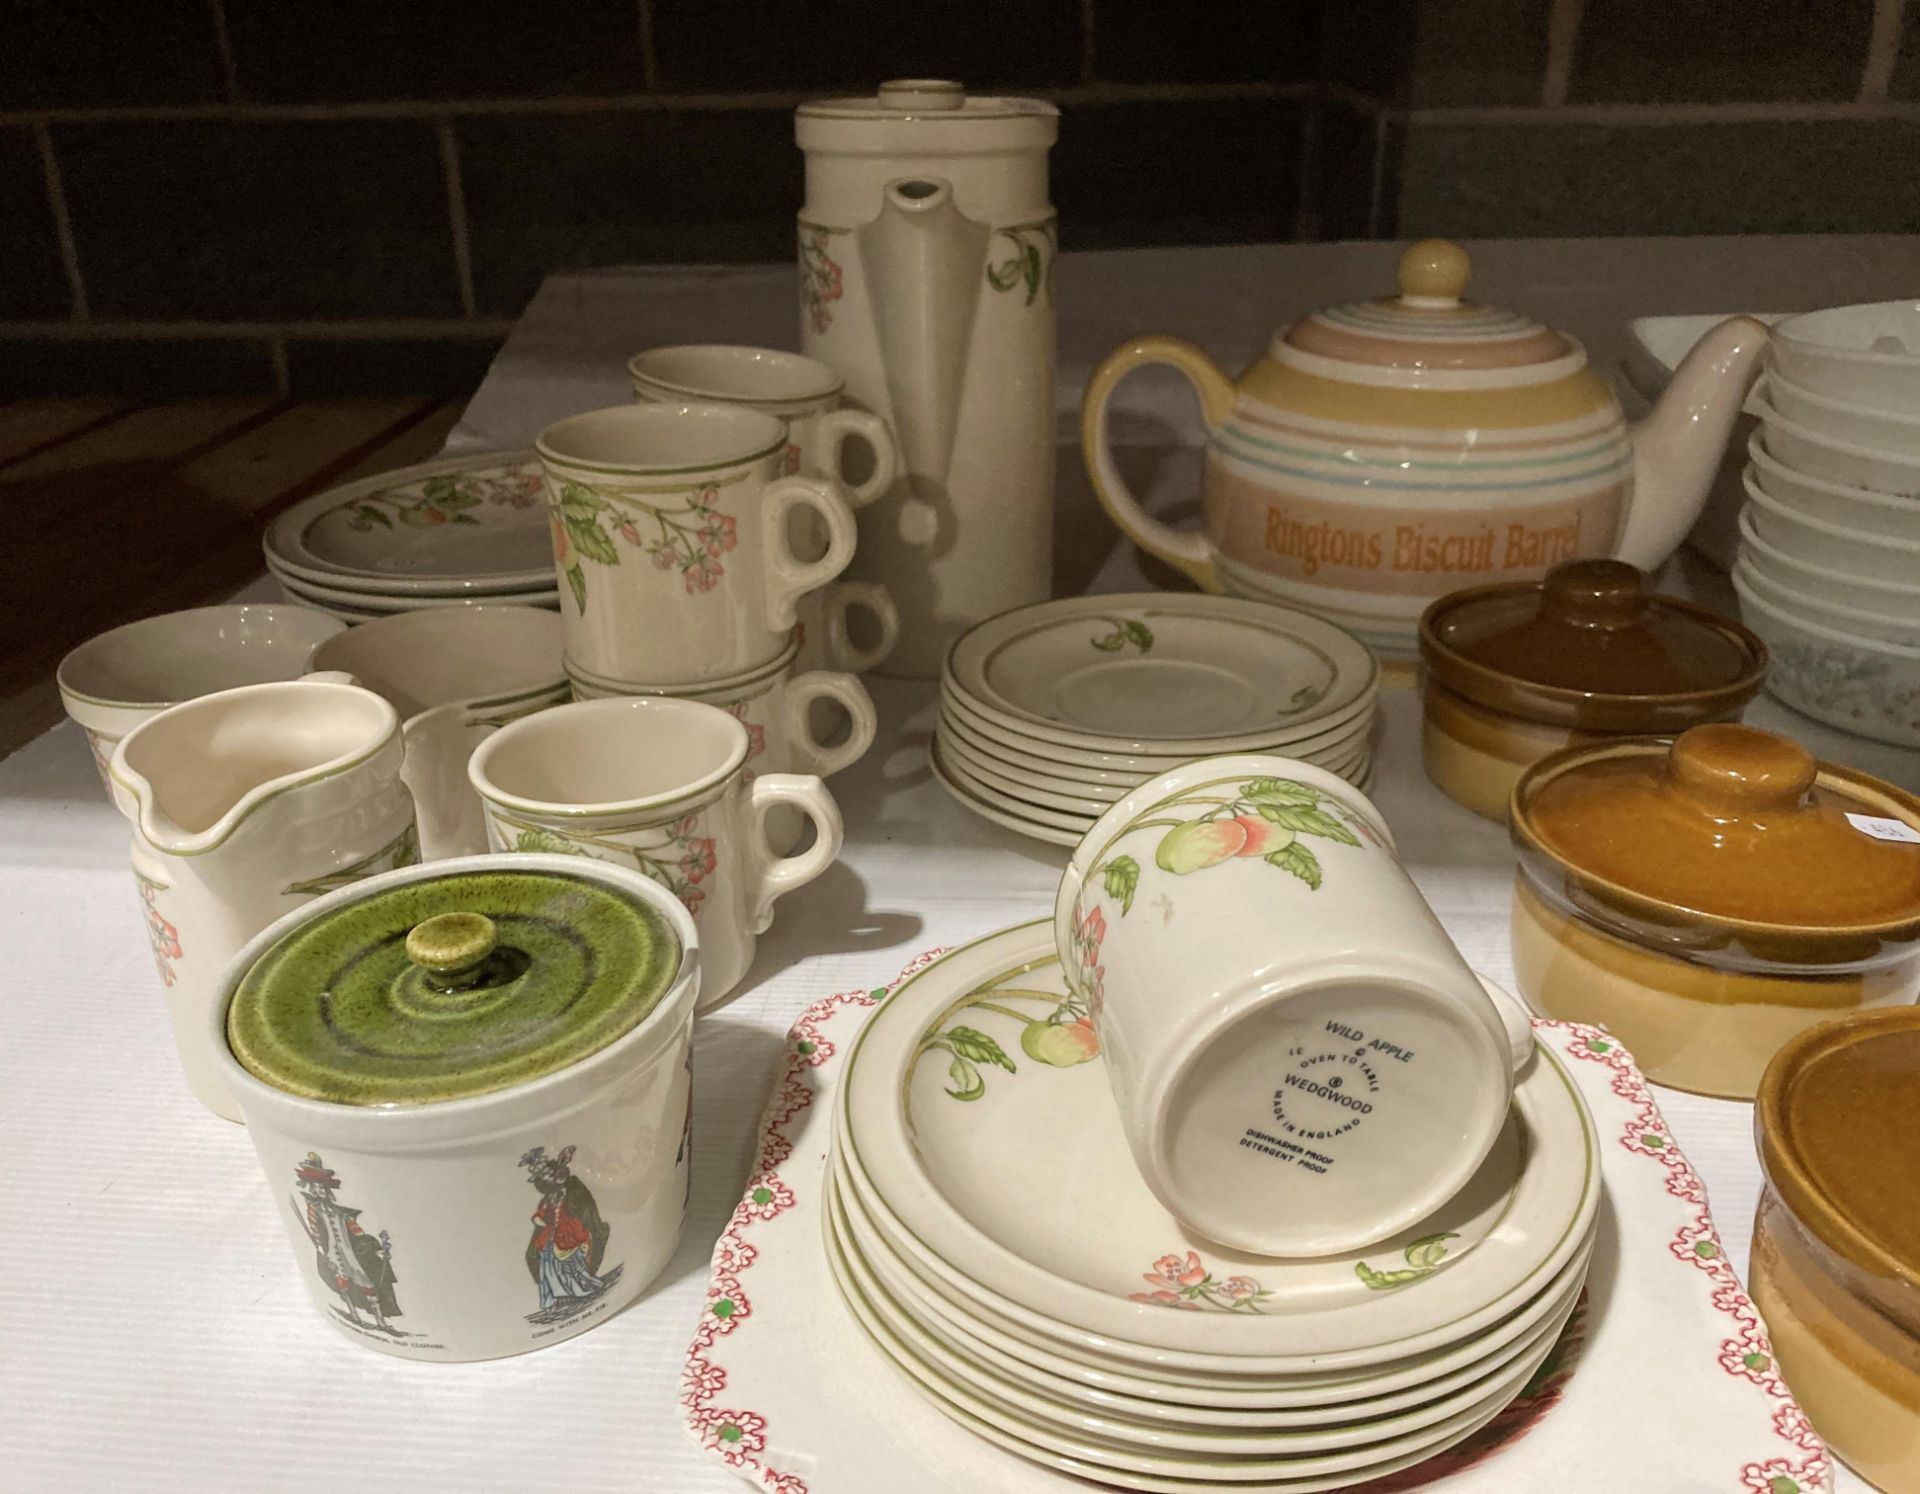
923 258
1677 448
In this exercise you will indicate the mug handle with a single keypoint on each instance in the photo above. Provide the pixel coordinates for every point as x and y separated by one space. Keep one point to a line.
777 875
791 577
1517 1020
811 756
843 599
1185 550
828 443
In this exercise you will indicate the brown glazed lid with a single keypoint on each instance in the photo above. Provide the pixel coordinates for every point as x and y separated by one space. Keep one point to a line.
1837 1121
1591 647
1727 838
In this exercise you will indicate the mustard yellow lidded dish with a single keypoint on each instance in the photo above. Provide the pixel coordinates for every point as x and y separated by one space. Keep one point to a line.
1518 670
1710 898
1836 1241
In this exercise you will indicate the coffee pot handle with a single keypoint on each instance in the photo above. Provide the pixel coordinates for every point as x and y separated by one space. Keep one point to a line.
777 875
788 576
1186 551
828 443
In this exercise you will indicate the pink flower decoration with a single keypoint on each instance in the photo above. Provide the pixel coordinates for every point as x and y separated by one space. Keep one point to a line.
629 533
663 558
562 546
1185 1272
1161 1299
1240 1287
733 1434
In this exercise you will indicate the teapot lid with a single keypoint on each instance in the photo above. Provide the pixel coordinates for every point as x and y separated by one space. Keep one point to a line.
1728 835
927 104
1593 648
446 987
1428 336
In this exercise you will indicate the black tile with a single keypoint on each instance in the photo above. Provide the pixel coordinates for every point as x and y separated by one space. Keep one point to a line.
1346 159
148 368
308 50
1905 83
1480 52
214 219
1222 41
57 54
821 45
1713 51
1367 45
546 192
1186 172
441 368
1532 181
32 285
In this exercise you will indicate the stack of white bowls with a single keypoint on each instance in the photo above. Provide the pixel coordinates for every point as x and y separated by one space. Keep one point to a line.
1051 713
1829 564
460 532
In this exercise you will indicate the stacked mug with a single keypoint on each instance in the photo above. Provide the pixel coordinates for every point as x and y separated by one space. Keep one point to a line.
687 540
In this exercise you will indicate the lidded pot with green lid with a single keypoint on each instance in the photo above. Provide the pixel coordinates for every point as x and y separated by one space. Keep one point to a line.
469 1084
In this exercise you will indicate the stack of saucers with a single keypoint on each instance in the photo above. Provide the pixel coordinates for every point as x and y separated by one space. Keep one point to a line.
469 531
1829 561
991 1235
1050 713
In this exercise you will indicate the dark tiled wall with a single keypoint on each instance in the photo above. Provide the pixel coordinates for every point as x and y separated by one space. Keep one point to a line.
326 196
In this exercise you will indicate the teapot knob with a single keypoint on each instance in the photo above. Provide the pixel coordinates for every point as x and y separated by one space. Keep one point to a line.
451 949
1732 771
1434 273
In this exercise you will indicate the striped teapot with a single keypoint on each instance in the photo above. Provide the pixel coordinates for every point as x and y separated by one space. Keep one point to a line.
1385 453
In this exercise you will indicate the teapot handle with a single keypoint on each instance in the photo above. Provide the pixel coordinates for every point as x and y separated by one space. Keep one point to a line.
1187 551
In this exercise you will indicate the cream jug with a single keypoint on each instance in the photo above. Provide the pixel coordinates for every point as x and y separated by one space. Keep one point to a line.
246 804
926 280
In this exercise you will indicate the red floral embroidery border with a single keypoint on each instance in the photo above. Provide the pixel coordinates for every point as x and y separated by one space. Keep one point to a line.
740 1436
1747 1354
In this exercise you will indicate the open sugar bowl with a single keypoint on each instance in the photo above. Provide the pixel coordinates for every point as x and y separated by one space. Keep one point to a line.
469 1085
1520 669
1710 898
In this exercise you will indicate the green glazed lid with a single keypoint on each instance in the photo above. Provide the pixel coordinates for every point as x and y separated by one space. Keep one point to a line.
451 987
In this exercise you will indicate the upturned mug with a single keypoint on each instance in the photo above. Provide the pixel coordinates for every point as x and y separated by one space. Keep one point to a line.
658 785
674 539
1303 1062
456 675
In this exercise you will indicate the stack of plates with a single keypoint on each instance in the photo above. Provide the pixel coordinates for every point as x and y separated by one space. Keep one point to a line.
988 1231
462 532
1050 713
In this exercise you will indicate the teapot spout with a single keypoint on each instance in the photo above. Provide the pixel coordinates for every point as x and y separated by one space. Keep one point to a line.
1678 447
923 260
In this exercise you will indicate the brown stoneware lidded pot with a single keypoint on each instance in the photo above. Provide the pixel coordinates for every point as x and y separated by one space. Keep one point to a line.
1836 1242
1521 669
1709 899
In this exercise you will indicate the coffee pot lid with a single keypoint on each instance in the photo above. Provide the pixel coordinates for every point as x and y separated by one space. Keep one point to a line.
1430 332
447 987
1591 647
940 102
1727 835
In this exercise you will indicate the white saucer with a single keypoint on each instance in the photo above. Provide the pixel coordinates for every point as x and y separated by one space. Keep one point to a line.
1161 672
1025 1199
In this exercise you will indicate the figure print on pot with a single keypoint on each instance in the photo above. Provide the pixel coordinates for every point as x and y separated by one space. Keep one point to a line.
566 1256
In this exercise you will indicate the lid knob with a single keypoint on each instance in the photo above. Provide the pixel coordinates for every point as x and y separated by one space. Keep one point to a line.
451 949
1605 594
1732 770
1434 273
922 95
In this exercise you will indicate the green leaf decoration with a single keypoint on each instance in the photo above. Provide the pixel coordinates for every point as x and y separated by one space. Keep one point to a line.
1305 696
545 840
418 516
462 519
575 499
1109 643
1279 791
1296 858
1304 821
968 1085
577 580
1138 634
402 850
970 1042
1121 878
373 515
1429 1250
1031 265
590 539
438 489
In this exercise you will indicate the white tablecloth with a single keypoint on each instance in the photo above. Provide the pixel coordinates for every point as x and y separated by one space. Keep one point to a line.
154 1330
